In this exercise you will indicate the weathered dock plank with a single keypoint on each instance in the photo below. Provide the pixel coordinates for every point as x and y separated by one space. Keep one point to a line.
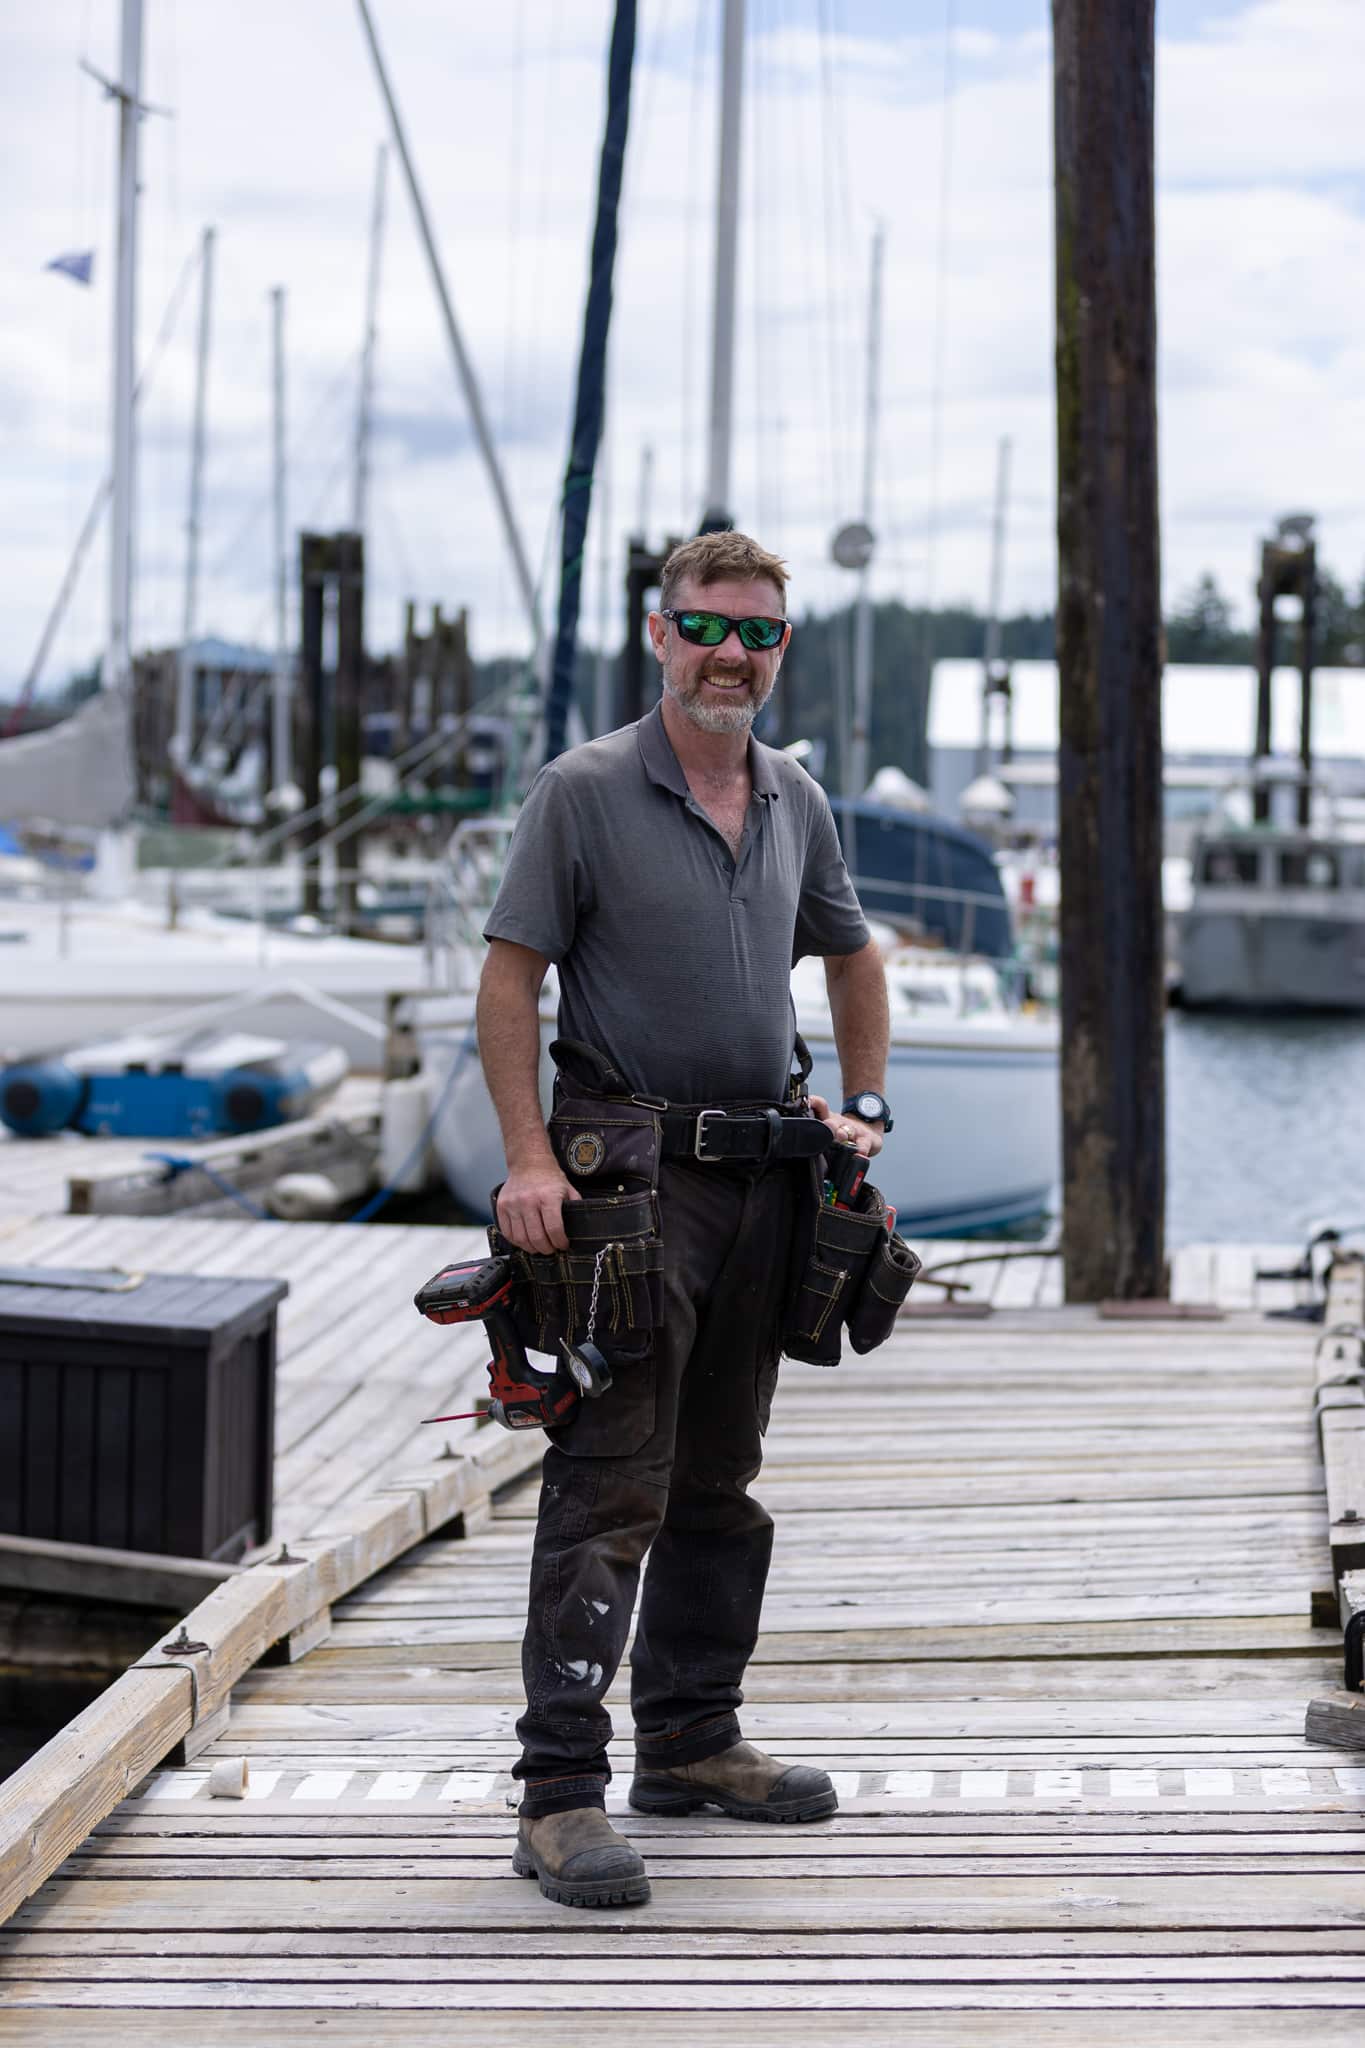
1040 1602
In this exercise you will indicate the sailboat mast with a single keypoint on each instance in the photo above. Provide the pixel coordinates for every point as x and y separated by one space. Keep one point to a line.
590 397
361 482
128 92
183 743
281 690
717 516
856 780
464 368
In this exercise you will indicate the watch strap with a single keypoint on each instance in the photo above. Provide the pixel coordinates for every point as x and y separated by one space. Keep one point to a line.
851 1102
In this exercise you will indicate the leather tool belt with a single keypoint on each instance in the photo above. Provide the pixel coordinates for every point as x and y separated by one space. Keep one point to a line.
744 1134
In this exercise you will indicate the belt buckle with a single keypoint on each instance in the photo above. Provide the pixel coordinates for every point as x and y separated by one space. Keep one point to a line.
703 1117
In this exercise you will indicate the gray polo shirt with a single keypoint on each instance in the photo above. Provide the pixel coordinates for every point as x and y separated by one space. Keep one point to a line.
674 958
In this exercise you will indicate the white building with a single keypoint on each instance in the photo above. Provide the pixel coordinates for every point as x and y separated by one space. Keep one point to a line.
1208 732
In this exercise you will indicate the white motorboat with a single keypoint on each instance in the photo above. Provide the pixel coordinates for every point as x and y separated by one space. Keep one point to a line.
974 1082
82 969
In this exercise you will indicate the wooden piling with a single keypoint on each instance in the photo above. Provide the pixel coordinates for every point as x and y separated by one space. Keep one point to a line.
1109 652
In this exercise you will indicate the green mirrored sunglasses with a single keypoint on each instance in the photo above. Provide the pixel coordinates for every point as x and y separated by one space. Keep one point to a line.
709 629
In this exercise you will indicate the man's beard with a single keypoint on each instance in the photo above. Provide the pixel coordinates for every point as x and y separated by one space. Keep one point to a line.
717 716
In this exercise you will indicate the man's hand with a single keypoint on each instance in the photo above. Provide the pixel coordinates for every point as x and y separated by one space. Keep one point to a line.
849 1130
531 1208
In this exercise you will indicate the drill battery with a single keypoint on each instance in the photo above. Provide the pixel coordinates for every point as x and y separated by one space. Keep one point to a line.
521 1395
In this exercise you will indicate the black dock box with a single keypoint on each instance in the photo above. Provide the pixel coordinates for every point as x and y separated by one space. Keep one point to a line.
137 1412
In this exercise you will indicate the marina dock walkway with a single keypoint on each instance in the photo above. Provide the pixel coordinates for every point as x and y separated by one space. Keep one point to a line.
1040 1601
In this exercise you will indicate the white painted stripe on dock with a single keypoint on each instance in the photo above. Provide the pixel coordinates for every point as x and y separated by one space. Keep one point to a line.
397 1785
1058 1785
177 1785
911 1784
984 1785
1092 1786
1209 1784
1286 1784
1134 1785
468 1785
322 1785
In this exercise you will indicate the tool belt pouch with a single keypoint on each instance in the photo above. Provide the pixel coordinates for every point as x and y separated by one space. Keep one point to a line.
856 1272
890 1275
608 1146
614 1243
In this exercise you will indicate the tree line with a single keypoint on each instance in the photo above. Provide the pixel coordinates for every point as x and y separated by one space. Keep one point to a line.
1200 627
814 701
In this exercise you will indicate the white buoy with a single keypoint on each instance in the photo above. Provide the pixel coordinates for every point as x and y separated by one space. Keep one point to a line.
404 1162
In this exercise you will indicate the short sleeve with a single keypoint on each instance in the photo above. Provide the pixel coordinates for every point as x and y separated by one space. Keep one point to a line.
829 918
544 891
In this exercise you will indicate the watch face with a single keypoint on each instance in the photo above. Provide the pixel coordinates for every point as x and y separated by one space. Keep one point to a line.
870 1107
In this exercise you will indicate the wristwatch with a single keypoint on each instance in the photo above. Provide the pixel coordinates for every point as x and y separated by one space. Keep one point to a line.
870 1107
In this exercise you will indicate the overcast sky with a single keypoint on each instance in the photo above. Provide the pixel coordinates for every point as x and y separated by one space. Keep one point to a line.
276 122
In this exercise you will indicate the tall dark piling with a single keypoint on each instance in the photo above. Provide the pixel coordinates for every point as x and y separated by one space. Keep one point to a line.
1109 651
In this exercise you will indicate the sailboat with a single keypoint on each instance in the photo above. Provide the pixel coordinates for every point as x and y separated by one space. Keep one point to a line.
94 963
973 1078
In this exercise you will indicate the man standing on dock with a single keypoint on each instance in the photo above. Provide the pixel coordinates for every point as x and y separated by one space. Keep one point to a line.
672 871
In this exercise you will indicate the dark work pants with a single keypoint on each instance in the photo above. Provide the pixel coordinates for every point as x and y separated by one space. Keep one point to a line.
664 1458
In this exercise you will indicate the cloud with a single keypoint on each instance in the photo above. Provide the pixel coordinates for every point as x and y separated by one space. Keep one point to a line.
1261 236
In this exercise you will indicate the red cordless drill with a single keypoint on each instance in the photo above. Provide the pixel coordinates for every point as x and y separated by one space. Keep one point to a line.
523 1397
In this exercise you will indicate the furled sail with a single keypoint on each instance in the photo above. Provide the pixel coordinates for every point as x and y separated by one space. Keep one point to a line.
77 773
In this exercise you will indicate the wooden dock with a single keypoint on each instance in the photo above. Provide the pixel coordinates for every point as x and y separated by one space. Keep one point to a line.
1040 1602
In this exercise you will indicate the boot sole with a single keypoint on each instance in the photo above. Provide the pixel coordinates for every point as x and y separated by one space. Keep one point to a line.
653 1795
605 1891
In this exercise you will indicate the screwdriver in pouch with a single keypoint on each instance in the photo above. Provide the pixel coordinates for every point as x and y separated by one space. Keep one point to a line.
845 1172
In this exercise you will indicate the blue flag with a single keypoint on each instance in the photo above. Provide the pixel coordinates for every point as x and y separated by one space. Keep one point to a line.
77 263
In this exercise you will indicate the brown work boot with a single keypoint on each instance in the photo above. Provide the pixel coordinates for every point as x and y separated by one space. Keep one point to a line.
580 1860
742 1781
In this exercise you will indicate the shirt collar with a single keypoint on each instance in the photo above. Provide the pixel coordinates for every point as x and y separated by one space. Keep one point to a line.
662 766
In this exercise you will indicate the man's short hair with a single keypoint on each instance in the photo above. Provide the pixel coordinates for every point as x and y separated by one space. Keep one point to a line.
720 558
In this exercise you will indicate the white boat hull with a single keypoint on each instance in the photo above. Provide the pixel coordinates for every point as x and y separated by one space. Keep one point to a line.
975 1145
71 975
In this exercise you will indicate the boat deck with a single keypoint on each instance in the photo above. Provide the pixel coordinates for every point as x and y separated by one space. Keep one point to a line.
1040 1602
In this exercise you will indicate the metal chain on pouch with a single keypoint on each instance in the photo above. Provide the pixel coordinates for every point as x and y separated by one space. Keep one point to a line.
597 1265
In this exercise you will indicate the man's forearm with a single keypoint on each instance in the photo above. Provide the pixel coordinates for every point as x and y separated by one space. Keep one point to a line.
508 1016
861 1017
